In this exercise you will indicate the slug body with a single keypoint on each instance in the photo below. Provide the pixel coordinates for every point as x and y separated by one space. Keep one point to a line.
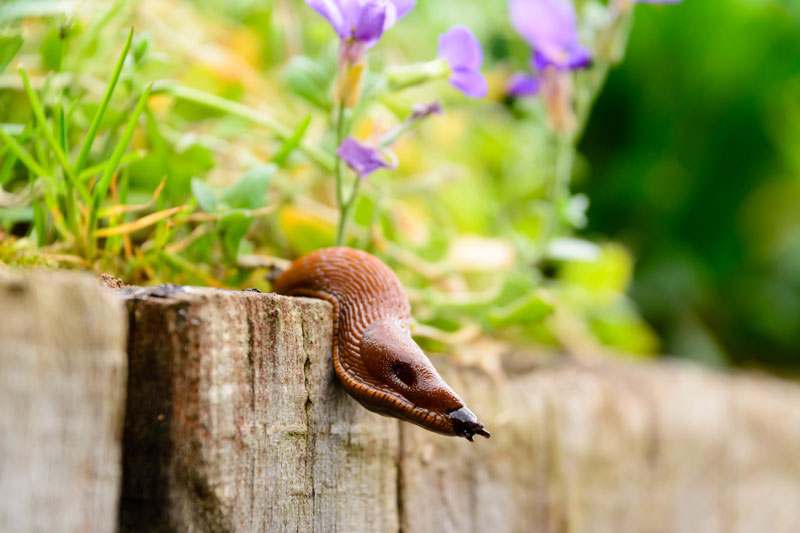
374 356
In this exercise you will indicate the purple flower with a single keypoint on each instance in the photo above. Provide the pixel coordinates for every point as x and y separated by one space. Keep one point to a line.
523 84
362 159
360 23
463 54
550 27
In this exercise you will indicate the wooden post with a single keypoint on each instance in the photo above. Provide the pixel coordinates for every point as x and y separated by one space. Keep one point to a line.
62 383
612 448
234 422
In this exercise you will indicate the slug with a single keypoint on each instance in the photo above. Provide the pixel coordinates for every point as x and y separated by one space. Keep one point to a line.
374 356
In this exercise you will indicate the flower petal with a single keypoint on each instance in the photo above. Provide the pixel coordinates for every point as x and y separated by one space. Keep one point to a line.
351 12
370 22
362 159
550 27
572 57
470 82
461 49
403 6
522 84
331 10
544 21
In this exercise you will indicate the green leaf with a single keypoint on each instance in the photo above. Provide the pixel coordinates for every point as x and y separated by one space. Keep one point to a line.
291 144
52 48
234 227
22 154
140 49
38 112
250 191
195 96
9 159
98 116
526 310
204 195
39 224
201 250
9 46
101 189
193 161
604 278
619 326
364 210
309 80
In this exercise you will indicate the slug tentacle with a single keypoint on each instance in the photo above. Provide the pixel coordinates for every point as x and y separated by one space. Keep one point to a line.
374 356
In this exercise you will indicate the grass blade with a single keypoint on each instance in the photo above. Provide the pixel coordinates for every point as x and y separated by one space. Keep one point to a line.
39 224
38 112
22 154
126 160
101 189
119 150
141 223
292 143
8 159
88 141
321 157
62 129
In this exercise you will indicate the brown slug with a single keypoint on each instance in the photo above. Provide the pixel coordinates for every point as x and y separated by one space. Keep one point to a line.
374 356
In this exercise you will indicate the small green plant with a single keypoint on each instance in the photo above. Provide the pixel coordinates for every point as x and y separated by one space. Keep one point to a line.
67 195
159 160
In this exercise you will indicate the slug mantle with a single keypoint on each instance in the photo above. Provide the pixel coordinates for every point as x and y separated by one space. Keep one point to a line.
374 356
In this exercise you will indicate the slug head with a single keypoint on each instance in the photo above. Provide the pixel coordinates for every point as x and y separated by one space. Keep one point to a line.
395 362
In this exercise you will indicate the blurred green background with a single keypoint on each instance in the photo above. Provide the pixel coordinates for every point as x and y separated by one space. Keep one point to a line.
694 151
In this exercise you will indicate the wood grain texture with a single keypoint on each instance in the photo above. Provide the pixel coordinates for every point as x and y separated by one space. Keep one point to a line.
234 422
62 383
612 448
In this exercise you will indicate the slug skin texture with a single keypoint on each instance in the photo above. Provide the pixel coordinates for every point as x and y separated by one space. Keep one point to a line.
374 356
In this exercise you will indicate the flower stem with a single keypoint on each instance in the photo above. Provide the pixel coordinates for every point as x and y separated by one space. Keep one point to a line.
559 191
345 212
340 203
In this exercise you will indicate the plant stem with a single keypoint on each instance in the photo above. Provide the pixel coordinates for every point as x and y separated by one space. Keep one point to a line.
559 191
340 203
345 212
586 93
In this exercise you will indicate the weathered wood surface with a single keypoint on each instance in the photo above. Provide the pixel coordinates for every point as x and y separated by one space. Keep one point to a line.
612 448
62 383
234 422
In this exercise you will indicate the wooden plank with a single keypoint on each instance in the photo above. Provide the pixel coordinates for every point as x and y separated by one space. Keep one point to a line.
612 448
234 422
62 383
